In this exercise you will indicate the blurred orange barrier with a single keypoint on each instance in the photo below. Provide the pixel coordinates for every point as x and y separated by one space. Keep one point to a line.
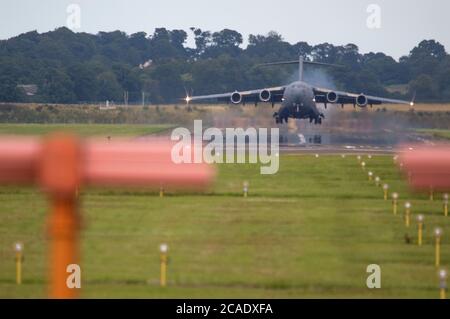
60 164
428 167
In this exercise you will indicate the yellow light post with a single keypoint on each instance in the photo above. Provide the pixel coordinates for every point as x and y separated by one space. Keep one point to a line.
18 248
445 204
377 181
370 175
163 248
442 284
407 214
245 189
437 236
420 219
385 191
394 203
363 166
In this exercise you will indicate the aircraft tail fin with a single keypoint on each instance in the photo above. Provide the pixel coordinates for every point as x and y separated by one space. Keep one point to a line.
301 62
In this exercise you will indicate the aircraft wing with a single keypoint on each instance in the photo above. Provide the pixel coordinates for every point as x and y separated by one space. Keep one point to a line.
338 97
271 95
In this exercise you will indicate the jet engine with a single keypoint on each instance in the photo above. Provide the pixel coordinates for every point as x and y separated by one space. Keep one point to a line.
362 100
236 98
332 97
265 95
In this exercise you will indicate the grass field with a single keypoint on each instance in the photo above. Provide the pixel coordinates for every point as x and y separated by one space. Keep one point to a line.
82 129
309 231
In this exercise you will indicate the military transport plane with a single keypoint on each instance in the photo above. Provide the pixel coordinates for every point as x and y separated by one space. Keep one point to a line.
298 99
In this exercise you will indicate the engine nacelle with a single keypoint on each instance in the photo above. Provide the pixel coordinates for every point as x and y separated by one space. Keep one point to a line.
236 98
265 95
362 100
332 97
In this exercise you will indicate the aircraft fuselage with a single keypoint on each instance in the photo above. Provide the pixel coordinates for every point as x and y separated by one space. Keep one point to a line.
298 102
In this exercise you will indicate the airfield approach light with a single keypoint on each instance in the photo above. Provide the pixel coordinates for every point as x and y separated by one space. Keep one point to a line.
442 283
377 181
363 165
245 188
407 214
359 158
420 220
18 248
369 156
317 155
445 197
437 237
343 155
163 248
370 175
394 203
385 191
411 103
161 191
431 194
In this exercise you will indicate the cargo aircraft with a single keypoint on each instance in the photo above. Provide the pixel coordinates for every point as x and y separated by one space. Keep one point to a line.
298 99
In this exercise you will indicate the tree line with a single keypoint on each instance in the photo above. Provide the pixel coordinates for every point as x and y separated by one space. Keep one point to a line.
68 67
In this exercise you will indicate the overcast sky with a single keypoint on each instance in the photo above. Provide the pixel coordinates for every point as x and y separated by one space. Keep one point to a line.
403 23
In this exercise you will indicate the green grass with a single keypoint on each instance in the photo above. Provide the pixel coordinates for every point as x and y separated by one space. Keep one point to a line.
308 231
442 134
83 129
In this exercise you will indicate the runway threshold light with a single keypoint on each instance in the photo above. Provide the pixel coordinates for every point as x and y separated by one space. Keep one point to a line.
245 188
442 283
420 220
385 191
377 181
370 175
163 249
18 248
437 236
394 203
407 214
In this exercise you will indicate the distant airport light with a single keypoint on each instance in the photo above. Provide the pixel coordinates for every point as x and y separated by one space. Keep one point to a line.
343 155
359 158
431 194
411 103
370 175
245 188
377 181
437 236
163 249
317 155
395 158
407 214
420 220
394 203
445 197
363 165
188 99
161 191
369 156
442 283
18 248
385 191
